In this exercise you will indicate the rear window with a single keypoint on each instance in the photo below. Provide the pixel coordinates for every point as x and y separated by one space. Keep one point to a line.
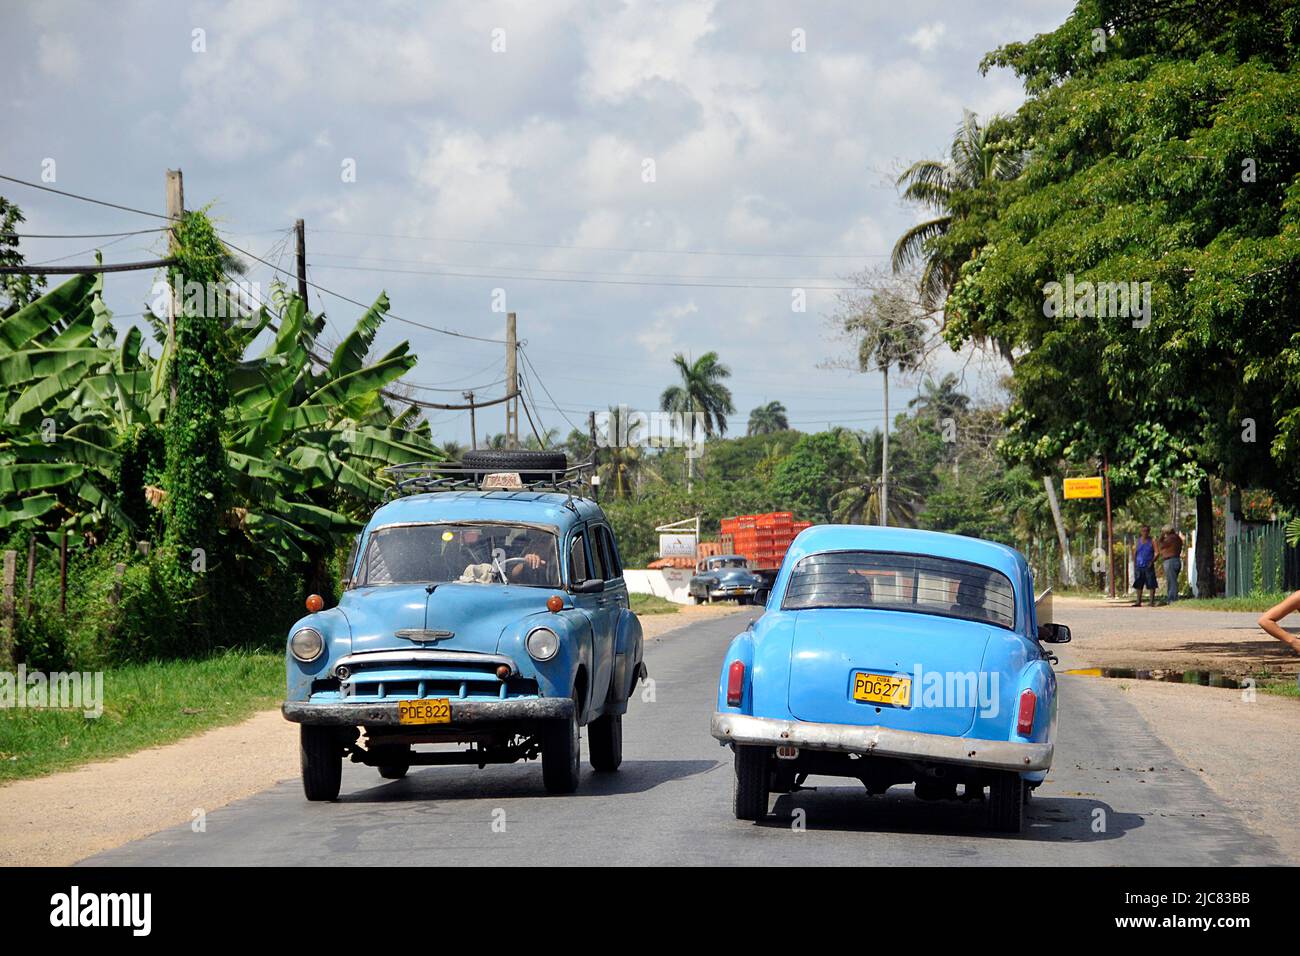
902 582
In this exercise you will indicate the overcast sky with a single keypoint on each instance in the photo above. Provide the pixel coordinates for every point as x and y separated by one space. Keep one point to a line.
506 146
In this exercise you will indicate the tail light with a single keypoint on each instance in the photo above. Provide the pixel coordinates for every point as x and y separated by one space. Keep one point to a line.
735 683
1025 719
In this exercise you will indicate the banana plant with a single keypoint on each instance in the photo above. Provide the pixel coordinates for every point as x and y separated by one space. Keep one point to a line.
306 436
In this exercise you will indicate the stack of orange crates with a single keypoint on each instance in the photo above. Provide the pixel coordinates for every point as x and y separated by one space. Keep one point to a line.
763 538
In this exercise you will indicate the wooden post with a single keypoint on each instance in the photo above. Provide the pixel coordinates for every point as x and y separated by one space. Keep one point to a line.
512 382
595 487
1110 529
473 428
63 573
31 574
175 210
300 233
7 638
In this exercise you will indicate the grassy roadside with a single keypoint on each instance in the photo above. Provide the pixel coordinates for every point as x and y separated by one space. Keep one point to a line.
144 705
1250 602
652 604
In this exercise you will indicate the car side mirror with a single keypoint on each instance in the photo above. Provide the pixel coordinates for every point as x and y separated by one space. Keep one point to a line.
1054 634
589 586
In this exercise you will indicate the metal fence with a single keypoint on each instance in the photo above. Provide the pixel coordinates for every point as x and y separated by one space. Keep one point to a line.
1258 560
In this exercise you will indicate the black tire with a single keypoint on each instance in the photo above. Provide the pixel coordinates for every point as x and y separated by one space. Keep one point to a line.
605 742
750 793
523 460
1006 807
322 762
562 754
760 597
394 762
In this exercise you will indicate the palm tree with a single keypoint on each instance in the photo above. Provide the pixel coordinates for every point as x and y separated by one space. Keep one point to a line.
767 419
891 337
941 399
547 440
701 393
860 497
976 156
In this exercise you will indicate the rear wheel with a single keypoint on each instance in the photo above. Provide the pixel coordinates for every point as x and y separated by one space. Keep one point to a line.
750 794
561 754
1006 807
322 762
605 741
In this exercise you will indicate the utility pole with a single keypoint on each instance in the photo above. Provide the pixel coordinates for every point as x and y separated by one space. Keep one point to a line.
300 234
1110 528
884 461
175 188
512 382
473 430
595 467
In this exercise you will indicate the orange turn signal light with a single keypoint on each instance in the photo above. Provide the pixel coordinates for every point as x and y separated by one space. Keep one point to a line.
554 603
503 672
315 602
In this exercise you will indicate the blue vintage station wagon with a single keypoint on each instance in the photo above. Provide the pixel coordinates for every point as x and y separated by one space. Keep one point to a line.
894 656
484 616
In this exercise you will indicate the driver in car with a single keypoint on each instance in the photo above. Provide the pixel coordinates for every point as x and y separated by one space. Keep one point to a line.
532 566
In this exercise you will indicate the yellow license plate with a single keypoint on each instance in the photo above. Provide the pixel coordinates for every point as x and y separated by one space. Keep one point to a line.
435 710
882 689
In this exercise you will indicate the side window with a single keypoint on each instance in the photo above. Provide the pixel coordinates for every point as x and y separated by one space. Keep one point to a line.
578 560
613 568
596 549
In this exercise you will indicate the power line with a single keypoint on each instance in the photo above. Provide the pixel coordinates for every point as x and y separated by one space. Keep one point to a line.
529 363
79 235
83 270
626 249
521 278
97 202
362 305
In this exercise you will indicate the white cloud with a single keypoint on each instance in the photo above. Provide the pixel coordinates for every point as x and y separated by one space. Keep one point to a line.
927 37
58 56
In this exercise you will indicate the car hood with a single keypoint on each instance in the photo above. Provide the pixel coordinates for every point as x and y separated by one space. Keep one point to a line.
732 576
475 614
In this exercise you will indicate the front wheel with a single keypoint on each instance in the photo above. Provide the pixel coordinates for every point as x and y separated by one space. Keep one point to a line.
1006 808
561 754
750 793
322 762
605 741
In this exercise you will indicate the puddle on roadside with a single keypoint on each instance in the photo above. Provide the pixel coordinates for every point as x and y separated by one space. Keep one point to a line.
1202 678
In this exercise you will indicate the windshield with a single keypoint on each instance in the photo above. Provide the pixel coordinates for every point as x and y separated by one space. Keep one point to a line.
728 563
902 582
464 553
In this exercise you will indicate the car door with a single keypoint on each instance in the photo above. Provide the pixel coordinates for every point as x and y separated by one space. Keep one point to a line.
605 614
583 552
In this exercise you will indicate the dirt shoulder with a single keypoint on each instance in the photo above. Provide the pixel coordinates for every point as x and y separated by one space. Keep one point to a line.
66 817
1242 743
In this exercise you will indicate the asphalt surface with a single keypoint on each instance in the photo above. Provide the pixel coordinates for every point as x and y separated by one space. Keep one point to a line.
1115 796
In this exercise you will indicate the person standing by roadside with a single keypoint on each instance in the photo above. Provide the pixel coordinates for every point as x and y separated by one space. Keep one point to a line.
1144 566
1170 549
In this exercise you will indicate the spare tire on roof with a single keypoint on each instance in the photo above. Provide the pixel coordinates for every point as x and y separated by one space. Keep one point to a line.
531 465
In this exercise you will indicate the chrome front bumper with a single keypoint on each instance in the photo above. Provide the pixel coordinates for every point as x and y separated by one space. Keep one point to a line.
470 713
884 741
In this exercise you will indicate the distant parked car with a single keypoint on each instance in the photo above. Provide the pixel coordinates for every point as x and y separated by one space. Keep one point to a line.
724 577
484 609
897 657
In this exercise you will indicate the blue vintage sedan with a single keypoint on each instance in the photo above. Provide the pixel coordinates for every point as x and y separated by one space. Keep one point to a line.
894 656
485 616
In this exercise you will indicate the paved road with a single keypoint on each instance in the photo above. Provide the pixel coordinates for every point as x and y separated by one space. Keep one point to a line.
670 804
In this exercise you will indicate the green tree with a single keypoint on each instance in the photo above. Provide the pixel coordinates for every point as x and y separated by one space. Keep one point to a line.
701 393
767 419
978 154
15 290
807 479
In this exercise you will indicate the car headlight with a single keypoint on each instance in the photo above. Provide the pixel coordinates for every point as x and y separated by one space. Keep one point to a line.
306 644
542 643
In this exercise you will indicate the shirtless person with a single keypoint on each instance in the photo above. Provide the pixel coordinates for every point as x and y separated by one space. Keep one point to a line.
1170 549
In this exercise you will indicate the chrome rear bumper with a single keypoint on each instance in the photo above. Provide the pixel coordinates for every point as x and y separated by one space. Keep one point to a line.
884 741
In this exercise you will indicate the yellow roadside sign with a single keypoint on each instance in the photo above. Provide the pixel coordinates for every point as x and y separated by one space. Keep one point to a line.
1084 487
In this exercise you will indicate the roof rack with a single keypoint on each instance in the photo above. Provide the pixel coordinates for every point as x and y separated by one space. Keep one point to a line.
433 476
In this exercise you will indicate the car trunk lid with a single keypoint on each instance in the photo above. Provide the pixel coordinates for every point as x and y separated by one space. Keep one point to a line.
832 645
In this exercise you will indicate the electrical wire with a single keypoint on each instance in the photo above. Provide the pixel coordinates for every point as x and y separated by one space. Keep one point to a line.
97 202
